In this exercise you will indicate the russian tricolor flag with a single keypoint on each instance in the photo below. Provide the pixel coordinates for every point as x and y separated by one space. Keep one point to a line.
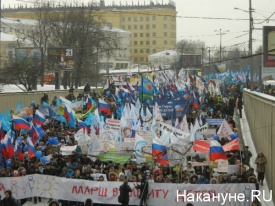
104 107
67 112
39 118
31 148
7 145
159 151
20 123
83 125
2 132
216 151
195 102
34 134
89 102
18 149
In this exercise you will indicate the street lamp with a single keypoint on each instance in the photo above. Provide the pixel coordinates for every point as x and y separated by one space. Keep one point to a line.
221 33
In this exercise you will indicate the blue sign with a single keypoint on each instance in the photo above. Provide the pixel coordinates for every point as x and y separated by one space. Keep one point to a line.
214 121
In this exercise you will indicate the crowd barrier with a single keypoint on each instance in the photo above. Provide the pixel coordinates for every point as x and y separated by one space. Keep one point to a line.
107 192
260 112
10 100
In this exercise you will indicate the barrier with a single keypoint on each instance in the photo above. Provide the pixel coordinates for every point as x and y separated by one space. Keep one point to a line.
10 100
260 112
108 192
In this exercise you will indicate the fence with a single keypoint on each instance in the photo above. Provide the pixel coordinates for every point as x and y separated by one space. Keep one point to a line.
10 100
260 112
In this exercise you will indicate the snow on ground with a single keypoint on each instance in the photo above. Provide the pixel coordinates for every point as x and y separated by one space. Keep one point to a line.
247 139
13 88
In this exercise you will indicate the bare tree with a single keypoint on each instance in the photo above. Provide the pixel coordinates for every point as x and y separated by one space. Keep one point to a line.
21 73
76 27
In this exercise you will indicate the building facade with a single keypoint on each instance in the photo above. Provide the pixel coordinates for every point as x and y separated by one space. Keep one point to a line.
152 26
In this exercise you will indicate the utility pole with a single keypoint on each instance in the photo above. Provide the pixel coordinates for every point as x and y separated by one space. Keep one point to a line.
221 33
250 44
209 57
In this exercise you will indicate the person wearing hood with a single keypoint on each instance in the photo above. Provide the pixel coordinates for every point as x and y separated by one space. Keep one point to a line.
144 188
253 179
124 196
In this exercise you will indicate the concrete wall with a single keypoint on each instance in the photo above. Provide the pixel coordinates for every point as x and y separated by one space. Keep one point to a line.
260 112
10 100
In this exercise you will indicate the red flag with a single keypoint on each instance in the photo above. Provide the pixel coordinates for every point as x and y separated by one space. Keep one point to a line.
201 146
232 145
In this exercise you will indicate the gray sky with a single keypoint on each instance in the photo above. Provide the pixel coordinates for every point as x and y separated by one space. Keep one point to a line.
192 25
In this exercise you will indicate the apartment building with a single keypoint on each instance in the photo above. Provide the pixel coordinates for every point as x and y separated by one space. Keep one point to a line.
152 26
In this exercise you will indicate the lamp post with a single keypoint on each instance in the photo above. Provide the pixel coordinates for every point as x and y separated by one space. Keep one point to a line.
221 33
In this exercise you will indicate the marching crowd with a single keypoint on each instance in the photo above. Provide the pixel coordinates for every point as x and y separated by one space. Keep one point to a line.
80 166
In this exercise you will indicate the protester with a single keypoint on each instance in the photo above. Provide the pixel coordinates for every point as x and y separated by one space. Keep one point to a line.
124 190
239 105
81 164
88 202
260 162
8 199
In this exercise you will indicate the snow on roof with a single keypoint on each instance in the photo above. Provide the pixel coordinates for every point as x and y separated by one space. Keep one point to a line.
114 29
19 21
7 37
165 52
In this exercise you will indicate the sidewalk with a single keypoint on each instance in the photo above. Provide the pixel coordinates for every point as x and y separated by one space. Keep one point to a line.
247 139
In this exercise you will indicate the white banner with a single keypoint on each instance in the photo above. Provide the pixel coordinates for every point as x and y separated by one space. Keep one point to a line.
183 136
108 192
67 150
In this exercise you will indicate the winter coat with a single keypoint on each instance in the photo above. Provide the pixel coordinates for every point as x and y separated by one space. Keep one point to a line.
9 202
124 190
260 161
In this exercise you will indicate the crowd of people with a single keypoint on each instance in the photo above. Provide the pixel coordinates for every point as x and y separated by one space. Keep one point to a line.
80 166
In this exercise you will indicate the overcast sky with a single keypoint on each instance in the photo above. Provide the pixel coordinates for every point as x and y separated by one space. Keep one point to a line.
193 21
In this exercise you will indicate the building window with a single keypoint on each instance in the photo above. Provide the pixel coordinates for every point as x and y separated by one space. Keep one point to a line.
141 18
154 42
123 19
123 27
164 34
165 42
135 43
154 18
136 59
154 34
135 51
141 42
147 26
141 51
164 18
129 27
153 26
147 51
147 42
147 18
154 50
135 26
135 19
141 27
147 34
165 26
141 34
135 34
129 18
141 59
